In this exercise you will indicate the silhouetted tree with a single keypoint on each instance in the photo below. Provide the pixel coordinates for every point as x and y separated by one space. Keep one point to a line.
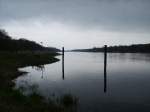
13 45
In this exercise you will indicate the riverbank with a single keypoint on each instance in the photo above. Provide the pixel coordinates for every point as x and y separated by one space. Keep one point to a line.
13 100
135 48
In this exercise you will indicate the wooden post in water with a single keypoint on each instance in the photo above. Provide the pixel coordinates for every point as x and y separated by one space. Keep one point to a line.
63 77
105 68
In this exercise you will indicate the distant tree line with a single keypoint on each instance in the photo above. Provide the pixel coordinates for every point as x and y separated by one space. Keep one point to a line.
137 48
14 45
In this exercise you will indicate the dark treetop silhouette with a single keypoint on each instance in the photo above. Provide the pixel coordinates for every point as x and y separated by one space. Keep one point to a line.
14 45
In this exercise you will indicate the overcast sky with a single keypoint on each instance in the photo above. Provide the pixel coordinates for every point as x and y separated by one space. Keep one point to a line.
77 23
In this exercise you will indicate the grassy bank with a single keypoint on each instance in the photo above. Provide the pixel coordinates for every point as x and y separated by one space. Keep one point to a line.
13 100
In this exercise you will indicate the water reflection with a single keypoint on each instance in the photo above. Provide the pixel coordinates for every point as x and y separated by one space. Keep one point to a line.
40 68
86 78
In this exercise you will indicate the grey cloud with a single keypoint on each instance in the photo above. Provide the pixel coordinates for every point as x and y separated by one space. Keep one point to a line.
106 14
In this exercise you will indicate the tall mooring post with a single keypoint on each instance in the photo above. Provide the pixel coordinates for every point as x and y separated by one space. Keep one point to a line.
63 76
105 68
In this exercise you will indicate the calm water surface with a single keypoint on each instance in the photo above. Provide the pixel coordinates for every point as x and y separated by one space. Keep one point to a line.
128 81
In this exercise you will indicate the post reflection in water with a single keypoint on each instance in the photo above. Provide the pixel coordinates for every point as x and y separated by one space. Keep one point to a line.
63 75
105 69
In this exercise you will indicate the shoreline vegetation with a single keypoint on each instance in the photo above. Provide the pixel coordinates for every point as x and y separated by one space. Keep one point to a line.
21 53
135 48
